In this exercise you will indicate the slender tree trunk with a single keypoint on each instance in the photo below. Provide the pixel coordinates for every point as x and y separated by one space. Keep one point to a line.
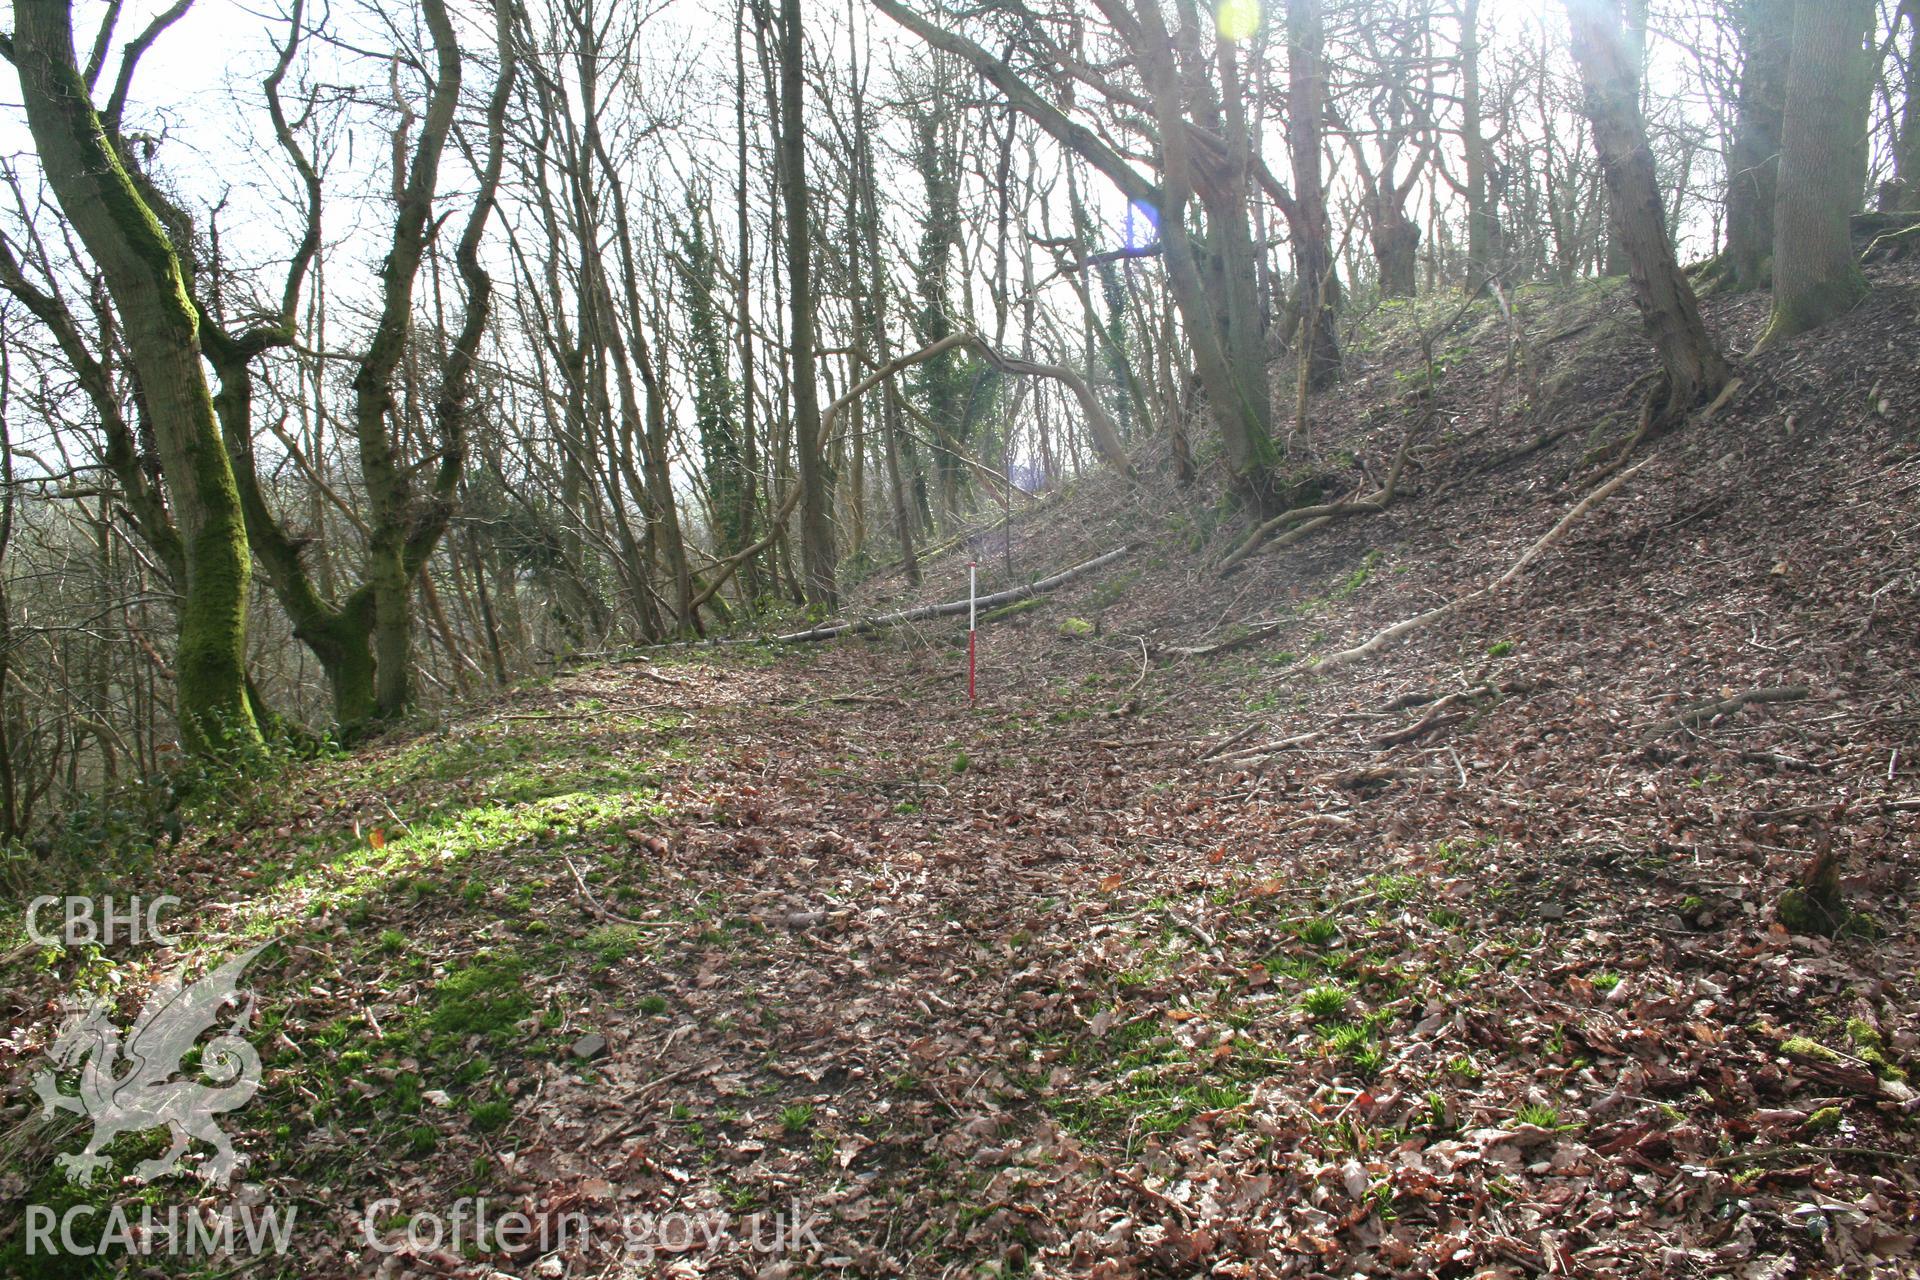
1483 220
1815 274
1614 260
1694 367
385 471
1312 229
818 557
1753 162
1903 191
749 460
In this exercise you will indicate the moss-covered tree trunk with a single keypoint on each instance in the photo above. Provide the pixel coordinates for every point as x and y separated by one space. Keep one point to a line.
340 639
1815 274
125 239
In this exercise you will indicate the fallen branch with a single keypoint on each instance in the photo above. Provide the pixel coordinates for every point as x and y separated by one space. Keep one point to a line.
1226 744
601 912
1544 440
1382 639
1798 1150
1702 712
1436 707
1254 755
1419 728
1258 633
861 626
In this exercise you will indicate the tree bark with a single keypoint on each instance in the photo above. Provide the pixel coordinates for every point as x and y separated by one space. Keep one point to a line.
1483 220
1753 163
817 554
1312 228
1903 191
1815 274
144 277
1695 369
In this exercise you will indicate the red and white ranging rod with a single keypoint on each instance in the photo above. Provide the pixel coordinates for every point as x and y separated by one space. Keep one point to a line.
973 594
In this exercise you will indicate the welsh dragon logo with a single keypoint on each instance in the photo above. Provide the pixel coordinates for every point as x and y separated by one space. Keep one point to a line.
128 1084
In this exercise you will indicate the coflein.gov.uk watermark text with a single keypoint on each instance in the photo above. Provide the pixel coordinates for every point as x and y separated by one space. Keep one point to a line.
474 1222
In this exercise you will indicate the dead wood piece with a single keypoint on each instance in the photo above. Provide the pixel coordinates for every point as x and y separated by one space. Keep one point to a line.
1700 713
1362 779
601 912
1545 439
1420 728
1226 744
1258 633
1253 755
1435 706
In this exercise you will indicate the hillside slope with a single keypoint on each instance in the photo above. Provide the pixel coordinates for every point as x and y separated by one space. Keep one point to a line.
1459 959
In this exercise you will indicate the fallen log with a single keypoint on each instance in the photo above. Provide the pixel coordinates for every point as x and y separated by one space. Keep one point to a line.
861 626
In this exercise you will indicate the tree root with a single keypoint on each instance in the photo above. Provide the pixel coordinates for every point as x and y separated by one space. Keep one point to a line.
1398 630
1322 514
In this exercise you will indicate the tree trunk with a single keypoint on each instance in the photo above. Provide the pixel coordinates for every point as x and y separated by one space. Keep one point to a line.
1815 274
1753 163
1694 367
818 558
1902 192
385 471
892 430
1483 220
1614 257
1312 229
1396 247
148 287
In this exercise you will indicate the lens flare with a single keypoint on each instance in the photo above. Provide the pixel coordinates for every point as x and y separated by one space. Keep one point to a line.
1142 227
1238 19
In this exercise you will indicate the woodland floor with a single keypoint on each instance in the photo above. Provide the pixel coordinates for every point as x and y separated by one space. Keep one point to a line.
1044 987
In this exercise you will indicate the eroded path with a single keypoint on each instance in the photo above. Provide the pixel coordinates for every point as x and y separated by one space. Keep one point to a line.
698 949
703 948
